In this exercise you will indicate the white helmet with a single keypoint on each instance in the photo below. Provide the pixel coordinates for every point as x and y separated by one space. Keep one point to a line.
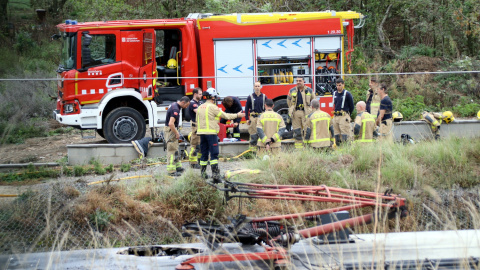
210 93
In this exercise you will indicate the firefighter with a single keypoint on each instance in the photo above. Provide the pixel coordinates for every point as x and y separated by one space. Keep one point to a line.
207 127
171 135
373 98
364 129
319 134
435 120
298 100
233 105
270 130
194 138
142 146
254 107
343 108
384 118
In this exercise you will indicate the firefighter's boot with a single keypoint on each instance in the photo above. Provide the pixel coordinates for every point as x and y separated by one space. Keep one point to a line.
193 158
195 166
203 171
338 140
216 173
179 167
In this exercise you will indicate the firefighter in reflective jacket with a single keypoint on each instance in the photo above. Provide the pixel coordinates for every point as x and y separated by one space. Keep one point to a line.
193 137
435 120
319 134
364 129
298 100
253 109
373 98
171 135
343 108
270 129
208 116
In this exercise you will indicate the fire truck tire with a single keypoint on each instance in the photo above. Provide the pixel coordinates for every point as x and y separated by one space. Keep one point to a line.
123 125
281 107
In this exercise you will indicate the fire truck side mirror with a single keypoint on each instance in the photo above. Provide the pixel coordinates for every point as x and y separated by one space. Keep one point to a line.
86 53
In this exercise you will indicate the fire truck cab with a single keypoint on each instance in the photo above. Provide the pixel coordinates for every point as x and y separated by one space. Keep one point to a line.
117 77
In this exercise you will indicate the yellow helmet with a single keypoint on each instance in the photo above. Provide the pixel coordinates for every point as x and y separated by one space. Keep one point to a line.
189 135
172 64
397 116
448 117
478 115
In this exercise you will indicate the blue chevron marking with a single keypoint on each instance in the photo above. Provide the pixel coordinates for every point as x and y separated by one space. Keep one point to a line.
296 43
266 44
281 43
222 69
308 43
237 68
251 68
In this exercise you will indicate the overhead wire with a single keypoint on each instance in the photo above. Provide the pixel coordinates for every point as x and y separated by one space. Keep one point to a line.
216 77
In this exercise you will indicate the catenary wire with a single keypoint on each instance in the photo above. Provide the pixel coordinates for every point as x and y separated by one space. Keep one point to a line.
239 77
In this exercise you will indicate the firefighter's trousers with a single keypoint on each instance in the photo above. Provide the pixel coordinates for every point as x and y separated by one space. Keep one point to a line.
341 126
385 130
194 146
209 147
298 126
252 130
173 161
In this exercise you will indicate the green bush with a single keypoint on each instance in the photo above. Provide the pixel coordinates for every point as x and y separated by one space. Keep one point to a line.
420 50
78 170
125 167
17 133
466 108
411 108
24 42
100 219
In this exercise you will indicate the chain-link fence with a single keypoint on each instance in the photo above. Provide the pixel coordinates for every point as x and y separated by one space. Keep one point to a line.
54 218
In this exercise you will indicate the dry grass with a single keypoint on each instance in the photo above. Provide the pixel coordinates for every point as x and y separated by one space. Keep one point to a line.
150 210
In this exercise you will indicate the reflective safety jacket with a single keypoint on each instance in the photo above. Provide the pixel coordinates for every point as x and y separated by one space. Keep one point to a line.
364 127
307 95
373 103
319 129
270 125
434 119
208 116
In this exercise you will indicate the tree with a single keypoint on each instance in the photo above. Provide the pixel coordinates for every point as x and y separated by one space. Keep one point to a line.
3 14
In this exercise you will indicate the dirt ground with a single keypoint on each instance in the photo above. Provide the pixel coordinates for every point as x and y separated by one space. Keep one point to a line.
54 149
43 149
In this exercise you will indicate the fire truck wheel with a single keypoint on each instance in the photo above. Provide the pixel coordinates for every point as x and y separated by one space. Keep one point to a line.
123 125
281 107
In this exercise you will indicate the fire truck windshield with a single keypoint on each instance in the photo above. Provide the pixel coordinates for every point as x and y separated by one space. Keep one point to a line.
68 56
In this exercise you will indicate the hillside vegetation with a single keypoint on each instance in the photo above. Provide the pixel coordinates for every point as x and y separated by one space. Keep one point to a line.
404 36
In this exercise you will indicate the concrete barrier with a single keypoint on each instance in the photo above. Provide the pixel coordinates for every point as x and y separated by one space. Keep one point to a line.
420 130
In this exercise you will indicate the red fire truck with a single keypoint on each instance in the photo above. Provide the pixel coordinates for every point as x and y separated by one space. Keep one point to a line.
117 77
